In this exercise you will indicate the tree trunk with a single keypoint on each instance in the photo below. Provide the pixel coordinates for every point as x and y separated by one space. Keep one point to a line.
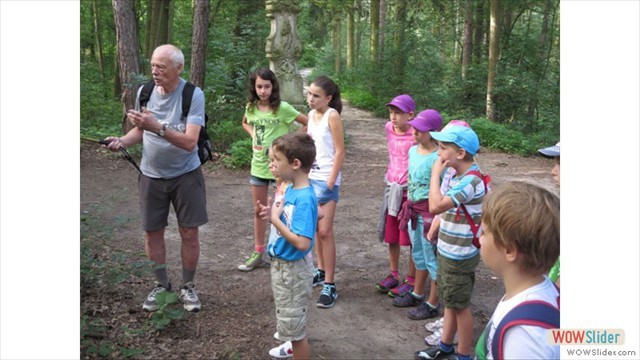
152 25
374 18
127 38
350 35
494 30
479 31
467 45
97 28
199 41
337 47
398 40
381 27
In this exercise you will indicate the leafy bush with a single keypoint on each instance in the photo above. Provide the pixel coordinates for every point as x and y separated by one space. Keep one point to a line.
500 137
240 154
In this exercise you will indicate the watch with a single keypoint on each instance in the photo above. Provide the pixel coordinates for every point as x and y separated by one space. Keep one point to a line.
162 131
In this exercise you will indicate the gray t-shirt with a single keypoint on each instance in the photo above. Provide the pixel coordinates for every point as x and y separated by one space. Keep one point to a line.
160 158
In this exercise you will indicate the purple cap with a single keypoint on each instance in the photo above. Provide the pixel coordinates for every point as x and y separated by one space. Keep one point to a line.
427 120
403 102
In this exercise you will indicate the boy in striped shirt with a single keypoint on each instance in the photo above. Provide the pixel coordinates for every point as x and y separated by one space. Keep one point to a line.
458 257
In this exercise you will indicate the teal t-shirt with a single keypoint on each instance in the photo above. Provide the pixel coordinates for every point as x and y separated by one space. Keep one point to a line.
267 127
419 174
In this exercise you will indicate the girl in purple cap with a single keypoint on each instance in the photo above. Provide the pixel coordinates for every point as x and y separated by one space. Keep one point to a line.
399 140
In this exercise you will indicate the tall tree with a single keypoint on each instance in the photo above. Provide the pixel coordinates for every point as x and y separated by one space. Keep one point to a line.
467 40
350 36
400 61
97 28
374 20
494 48
479 31
381 29
199 42
128 57
158 24
336 39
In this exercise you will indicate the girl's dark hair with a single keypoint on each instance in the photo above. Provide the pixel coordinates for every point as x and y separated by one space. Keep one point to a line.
274 99
330 88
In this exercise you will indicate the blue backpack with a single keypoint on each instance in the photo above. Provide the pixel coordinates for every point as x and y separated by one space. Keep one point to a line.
533 313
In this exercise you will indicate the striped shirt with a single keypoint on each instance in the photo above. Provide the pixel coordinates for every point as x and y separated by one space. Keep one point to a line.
455 239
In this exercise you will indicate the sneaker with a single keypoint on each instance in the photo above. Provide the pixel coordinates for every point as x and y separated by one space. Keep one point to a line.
189 298
254 261
435 325
387 284
423 311
318 277
401 290
407 300
150 302
434 339
327 297
284 351
434 352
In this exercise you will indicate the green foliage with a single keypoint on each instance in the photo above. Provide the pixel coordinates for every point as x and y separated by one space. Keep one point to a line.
225 133
169 309
240 154
502 138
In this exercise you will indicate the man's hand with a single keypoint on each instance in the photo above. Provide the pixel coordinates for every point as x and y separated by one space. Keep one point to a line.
144 120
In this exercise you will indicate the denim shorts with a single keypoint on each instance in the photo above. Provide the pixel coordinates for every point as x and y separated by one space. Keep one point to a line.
323 194
422 252
256 181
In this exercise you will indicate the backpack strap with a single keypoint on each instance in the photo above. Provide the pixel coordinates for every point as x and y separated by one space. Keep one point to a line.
145 94
474 227
533 313
187 94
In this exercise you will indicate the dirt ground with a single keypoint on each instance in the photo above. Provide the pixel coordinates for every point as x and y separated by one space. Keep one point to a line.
237 320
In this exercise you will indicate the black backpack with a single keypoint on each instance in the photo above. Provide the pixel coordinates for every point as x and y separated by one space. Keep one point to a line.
204 142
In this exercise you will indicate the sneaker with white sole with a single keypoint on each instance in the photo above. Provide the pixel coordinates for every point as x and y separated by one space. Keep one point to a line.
434 326
254 261
189 298
150 302
284 351
434 339
318 277
327 297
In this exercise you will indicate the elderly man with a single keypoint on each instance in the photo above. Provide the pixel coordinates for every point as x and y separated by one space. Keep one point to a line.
170 169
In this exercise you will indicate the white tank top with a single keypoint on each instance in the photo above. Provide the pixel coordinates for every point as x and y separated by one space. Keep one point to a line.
325 149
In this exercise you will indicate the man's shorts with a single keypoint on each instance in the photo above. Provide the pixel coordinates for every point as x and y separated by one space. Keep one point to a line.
392 232
455 281
292 285
186 193
323 194
422 251
256 181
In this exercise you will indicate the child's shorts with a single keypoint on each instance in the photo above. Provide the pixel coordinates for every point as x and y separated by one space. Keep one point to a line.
292 285
423 252
256 181
455 281
323 194
392 232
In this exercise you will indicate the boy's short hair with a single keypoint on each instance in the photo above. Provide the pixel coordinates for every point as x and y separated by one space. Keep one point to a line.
297 145
527 217
467 156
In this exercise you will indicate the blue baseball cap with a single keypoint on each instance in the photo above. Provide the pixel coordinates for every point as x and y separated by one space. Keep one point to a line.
403 102
462 136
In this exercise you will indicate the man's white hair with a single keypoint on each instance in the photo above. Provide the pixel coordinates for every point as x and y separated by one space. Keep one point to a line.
175 54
